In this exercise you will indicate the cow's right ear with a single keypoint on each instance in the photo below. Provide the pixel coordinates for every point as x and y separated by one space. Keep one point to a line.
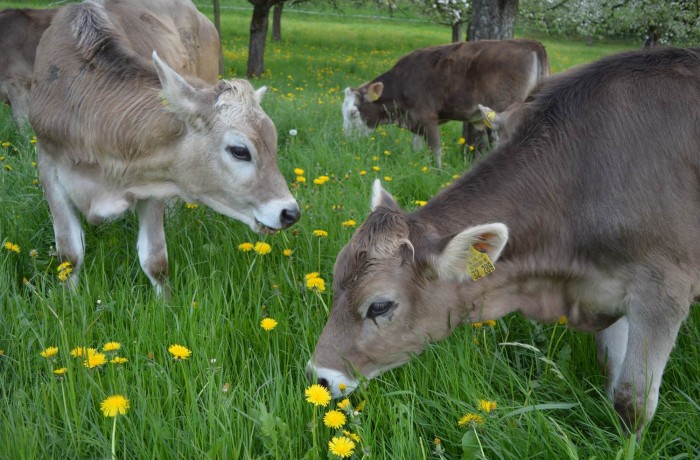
374 91
381 197
475 248
178 95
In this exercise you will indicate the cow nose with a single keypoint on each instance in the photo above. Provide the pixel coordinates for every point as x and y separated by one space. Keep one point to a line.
289 216
324 383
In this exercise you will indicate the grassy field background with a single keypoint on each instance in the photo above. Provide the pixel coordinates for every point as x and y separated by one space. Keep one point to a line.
241 392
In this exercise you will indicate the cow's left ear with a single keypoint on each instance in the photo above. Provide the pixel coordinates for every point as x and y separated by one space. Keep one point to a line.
468 250
178 95
374 91
381 197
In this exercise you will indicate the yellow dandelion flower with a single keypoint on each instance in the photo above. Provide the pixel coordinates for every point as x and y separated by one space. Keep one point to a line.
360 407
351 435
420 202
320 180
301 179
387 152
461 141
111 346
32 140
334 419
437 441
118 360
60 371
316 284
471 148
113 405
79 352
12 247
342 387
321 233
298 171
471 419
424 169
33 253
490 323
179 351
563 320
376 168
191 205
477 325
349 223
49 352
94 359
363 172
8 167
344 404
287 252
245 247
487 406
6 144
387 178
317 395
268 324
262 248
341 446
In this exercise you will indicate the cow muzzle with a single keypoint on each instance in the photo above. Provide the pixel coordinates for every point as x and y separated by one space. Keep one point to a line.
332 379
276 216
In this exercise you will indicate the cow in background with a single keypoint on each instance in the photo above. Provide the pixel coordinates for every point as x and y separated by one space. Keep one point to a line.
20 32
590 211
433 85
121 127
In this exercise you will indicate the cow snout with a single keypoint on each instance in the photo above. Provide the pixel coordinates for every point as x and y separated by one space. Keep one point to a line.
289 216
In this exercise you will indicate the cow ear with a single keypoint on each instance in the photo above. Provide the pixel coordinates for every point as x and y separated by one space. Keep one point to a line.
178 95
491 118
465 254
374 92
259 93
381 197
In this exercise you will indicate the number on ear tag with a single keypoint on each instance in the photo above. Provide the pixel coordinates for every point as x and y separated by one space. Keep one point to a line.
478 264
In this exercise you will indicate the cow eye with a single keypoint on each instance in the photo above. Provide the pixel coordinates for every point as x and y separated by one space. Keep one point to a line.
379 308
238 152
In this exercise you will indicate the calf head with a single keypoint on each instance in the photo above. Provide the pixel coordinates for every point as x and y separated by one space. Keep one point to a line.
396 286
227 158
363 109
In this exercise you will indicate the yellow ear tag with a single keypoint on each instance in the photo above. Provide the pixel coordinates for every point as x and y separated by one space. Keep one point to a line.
373 96
489 118
478 264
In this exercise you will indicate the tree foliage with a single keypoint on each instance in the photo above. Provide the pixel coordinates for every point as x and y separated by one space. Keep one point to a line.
671 22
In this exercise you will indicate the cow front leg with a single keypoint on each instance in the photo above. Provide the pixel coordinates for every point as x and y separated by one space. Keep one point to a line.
611 344
654 322
153 254
432 133
418 142
68 232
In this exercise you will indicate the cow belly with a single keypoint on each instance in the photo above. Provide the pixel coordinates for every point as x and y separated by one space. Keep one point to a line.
96 196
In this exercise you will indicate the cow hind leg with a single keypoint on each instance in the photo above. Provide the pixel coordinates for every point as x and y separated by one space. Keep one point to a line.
654 319
432 132
153 253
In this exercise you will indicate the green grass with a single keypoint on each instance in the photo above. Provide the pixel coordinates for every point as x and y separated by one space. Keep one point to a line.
179 409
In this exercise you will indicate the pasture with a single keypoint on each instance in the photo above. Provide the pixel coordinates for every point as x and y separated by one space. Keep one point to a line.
240 394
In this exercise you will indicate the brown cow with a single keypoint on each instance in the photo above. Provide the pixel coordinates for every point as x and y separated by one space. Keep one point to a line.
118 131
590 211
20 31
433 85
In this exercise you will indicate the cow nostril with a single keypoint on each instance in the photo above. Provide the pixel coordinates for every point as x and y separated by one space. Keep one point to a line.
289 216
323 383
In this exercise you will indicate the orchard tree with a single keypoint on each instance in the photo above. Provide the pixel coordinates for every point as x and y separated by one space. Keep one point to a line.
492 20
449 12
258 35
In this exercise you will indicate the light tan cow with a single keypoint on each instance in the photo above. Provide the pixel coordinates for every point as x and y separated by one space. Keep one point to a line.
20 32
118 130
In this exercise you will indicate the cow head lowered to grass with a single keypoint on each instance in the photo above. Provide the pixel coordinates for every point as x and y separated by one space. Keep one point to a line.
588 211
118 128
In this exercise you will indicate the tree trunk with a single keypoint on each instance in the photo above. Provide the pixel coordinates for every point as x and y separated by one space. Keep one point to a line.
277 22
217 24
456 32
258 35
492 20
653 36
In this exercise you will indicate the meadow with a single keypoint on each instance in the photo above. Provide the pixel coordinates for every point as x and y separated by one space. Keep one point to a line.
241 391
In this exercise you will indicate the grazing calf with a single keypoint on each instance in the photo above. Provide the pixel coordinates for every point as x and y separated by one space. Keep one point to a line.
433 85
119 131
590 211
20 32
